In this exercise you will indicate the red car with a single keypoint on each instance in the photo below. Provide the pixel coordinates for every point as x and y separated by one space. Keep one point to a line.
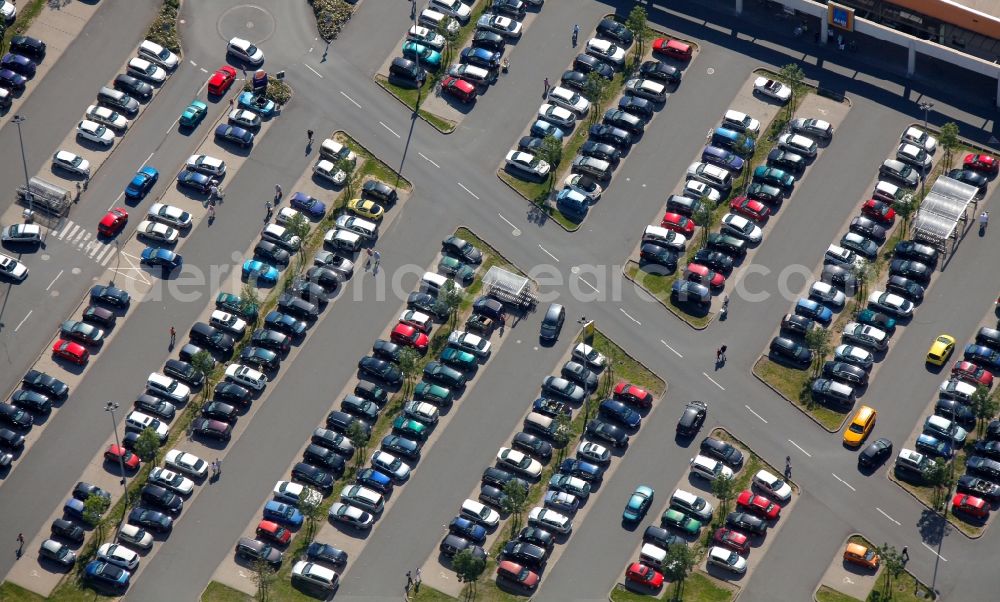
696 272
114 453
678 223
970 504
634 395
986 163
734 540
644 575
758 504
70 351
274 532
972 374
879 211
113 222
404 334
220 81
672 48
750 208
520 575
459 88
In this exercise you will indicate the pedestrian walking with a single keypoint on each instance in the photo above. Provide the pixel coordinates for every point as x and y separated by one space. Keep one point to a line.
232 102
419 577
270 211
546 87
368 264
309 137
173 336
722 353
503 323
376 259
20 544
718 355
576 32
277 193
409 580
905 554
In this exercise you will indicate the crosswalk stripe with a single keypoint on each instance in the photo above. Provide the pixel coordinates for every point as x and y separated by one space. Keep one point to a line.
84 243
110 255
71 233
78 236
62 232
104 249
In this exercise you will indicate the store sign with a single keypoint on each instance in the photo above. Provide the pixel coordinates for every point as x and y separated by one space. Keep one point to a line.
840 17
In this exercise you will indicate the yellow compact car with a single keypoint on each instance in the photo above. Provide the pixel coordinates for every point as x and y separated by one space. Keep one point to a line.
941 349
366 209
861 425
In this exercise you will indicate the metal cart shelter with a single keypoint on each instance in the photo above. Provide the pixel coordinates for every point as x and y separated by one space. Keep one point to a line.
941 212
510 288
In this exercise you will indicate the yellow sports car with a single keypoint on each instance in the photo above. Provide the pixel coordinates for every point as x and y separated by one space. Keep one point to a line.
941 349
366 209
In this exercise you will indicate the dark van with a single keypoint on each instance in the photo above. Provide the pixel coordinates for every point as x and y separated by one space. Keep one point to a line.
552 322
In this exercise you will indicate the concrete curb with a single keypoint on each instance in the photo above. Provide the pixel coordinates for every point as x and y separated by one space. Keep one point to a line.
520 194
948 517
375 78
661 302
812 89
795 486
497 253
793 404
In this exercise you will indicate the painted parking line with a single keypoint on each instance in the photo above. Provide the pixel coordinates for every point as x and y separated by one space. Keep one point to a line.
428 159
933 552
516 231
843 481
547 253
749 409
630 317
350 99
677 353
318 74
21 323
390 130
54 279
595 290
713 381
882 512
800 448
474 195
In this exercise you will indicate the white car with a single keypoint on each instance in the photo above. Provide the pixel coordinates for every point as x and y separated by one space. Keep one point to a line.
138 421
773 486
286 215
585 185
246 376
245 119
228 322
920 138
471 343
388 463
853 354
12 268
95 132
171 480
544 518
588 355
866 336
914 155
727 559
146 70
281 236
709 468
151 51
713 175
314 577
351 515
157 232
106 116
170 215
741 227
557 115
593 452
957 389
186 462
8 11
119 556
164 386
135 536
890 303
646 88
417 319
422 411
527 163
794 143
207 165
426 37
699 190
504 26
816 128
295 494
606 51
520 462
826 293
480 513
773 89
570 100
451 8
245 51
71 162
326 170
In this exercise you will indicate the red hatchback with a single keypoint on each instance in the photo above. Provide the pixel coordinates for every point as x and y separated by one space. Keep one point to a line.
734 540
459 88
114 453
220 81
879 211
520 575
404 334
985 163
274 532
750 208
678 223
70 351
972 374
672 48
969 504
634 395
644 575
113 222
696 272
758 504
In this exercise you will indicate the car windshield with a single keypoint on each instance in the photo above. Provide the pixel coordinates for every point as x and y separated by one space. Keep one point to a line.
856 428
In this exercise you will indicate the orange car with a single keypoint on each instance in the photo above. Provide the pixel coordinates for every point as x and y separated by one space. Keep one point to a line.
861 556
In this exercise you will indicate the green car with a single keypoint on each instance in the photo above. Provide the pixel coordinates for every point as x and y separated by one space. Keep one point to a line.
193 115
408 427
425 56
234 305
774 176
679 520
443 374
456 358
435 394
462 273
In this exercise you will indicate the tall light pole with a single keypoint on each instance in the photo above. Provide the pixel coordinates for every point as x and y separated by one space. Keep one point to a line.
925 107
416 55
110 407
18 120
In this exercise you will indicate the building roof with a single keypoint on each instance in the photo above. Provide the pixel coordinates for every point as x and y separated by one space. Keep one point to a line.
979 16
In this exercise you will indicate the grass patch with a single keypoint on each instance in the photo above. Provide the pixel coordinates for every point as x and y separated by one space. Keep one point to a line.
659 287
698 587
10 592
964 523
826 594
622 594
905 588
408 96
25 15
794 385
217 592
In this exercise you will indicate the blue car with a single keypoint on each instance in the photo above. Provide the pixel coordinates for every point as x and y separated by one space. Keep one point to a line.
311 206
105 575
165 258
621 413
813 310
283 514
542 128
984 356
638 504
374 479
142 182
11 80
18 63
259 273
74 509
932 446
580 469
258 104
481 57
467 529
194 179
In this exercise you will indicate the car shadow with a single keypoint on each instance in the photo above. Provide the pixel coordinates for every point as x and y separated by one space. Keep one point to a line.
724 575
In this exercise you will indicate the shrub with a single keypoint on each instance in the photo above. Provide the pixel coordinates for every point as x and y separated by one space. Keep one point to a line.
163 29
331 15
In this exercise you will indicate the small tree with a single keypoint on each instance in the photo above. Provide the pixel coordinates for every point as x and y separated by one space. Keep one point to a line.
702 217
203 363
793 76
939 477
408 364
596 90
637 23
452 297
147 445
249 301
312 509
724 489
347 167
468 567
905 208
949 141
818 341
562 421
449 39
263 576
299 226
514 503
551 152
984 406
863 272
892 561
94 508
677 566
359 437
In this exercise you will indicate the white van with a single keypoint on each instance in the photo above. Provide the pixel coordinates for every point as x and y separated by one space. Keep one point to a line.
314 577
433 283
452 8
664 237
342 240
334 151
362 227
652 555
741 122
434 20
164 386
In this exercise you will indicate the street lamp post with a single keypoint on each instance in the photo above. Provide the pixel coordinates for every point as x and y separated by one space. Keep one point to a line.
925 107
110 407
18 120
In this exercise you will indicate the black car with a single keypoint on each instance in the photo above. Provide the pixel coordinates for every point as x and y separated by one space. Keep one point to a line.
613 30
692 418
844 372
427 304
715 260
983 467
315 476
273 340
110 295
972 178
68 530
232 393
877 452
338 442
380 191
908 268
661 72
327 278
530 144
914 250
462 249
783 348
99 315
907 288
15 417
657 255
611 135
152 404
721 450
263 359
407 448
637 106
84 490
742 521
161 498
386 350
660 537
327 459
183 371
783 159
453 544
371 392
489 307
497 477
150 519
574 79
524 553
11 440
868 228
285 323
218 410
600 150
493 496
297 306
308 291
840 277
532 445
489 40
236 135
324 552
49 385
19 64
380 370
585 63
133 87
764 193
214 429
797 324
188 352
536 536
31 400
28 46
268 252
987 449
341 422
978 487
362 408
12 81
476 57
213 338
609 433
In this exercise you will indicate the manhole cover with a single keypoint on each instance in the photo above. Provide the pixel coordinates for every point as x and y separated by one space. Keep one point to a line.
710 70
246 21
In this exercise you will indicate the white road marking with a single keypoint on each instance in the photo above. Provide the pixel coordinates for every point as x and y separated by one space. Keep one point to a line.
426 158
749 409
389 128
85 240
469 191
799 448
71 232
677 353
628 316
547 253
63 231
318 74
592 286
882 512
515 232
350 99
21 323
110 255
723 388
104 249
54 279
203 70
933 552
193 64
841 480
79 235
